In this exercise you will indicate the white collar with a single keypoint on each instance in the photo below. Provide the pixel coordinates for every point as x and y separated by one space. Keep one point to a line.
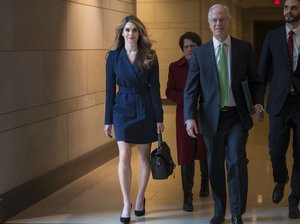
216 42
296 31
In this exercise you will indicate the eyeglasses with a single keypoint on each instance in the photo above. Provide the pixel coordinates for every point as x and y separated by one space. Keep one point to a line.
215 20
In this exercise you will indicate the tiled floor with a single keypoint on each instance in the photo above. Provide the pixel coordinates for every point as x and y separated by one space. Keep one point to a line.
96 197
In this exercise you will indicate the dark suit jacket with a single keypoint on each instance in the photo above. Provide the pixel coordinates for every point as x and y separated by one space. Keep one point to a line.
203 80
275 52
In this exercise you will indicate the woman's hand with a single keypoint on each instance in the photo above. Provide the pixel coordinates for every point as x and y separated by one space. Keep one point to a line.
107 130
160 128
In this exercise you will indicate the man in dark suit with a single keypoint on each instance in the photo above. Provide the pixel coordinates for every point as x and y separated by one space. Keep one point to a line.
224 119
281 49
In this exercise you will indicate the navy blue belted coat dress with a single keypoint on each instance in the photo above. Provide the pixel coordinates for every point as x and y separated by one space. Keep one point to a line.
133 102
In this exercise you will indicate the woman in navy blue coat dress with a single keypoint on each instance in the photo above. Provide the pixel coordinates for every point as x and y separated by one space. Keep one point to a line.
133 106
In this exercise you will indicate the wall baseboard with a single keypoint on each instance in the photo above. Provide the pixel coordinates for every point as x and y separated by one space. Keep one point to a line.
29 193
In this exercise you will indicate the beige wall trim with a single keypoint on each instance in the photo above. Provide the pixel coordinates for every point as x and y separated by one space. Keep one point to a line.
24 196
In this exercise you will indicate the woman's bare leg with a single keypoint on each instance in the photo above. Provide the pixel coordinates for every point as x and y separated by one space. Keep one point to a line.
125 174
144 173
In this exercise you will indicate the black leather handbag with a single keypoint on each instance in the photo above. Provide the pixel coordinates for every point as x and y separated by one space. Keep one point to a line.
162 165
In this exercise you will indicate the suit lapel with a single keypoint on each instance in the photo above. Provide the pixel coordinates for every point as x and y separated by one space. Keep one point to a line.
211 53
282 44
133 68
234 58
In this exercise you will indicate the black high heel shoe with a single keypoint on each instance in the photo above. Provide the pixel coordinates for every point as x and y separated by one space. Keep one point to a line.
140 212
125 220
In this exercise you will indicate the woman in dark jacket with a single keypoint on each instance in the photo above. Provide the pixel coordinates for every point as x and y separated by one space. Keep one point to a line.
188 148
135 109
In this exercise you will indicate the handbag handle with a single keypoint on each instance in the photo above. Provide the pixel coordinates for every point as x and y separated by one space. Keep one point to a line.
159 140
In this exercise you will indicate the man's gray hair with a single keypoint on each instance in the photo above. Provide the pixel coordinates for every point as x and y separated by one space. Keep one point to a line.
227 10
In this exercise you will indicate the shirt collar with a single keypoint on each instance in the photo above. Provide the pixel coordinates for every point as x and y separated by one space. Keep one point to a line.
296 31
216 42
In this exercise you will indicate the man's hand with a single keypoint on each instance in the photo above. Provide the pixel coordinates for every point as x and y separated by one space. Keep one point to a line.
191 128
258 113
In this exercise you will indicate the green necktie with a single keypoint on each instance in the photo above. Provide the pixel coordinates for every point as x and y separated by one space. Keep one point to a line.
223 74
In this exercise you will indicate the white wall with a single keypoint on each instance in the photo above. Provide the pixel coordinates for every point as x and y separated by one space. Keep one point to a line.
52 82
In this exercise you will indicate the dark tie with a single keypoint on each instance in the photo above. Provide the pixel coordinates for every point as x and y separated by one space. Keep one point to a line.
290 44
223 74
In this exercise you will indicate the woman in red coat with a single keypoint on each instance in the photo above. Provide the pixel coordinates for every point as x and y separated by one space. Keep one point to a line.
188 148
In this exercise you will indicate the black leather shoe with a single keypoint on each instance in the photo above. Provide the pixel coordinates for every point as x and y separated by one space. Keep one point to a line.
204 190
140 212
237 220
278 191
188 202
294 212
216 220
